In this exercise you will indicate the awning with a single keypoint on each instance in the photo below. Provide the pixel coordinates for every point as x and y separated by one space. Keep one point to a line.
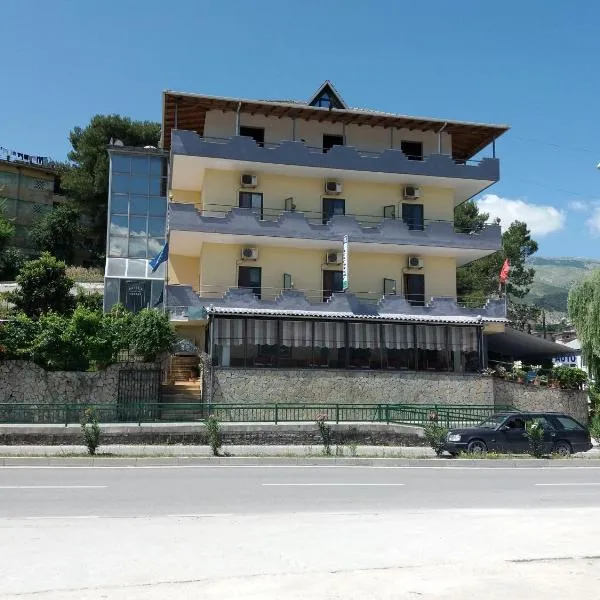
523 346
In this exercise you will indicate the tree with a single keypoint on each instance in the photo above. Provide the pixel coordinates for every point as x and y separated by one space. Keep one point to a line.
11 262
478 280
521 315
584 312
86 179
59 232
7 229
43 286
151 334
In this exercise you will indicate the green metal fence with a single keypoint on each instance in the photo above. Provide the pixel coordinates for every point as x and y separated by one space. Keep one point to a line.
410 414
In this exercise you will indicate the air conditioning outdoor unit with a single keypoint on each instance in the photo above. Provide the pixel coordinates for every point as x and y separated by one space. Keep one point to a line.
249 253
411 192
248 180
415 262
333 187
333 257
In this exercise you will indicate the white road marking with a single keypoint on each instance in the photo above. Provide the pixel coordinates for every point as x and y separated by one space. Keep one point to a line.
332 484
60 517
201 515
52 487
566 484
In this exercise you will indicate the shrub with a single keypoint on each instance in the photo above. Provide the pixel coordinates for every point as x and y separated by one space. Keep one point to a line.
535 437
435 434
11 262
595 428
570 378
90 430
151 334
215 439
325 432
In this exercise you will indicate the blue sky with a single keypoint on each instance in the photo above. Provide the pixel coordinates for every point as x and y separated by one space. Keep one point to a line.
529 64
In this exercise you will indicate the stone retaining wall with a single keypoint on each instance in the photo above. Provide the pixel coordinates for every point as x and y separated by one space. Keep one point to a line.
337 386
24 382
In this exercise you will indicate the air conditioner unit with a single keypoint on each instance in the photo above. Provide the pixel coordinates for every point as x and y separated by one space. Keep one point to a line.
249 253
333 187
333 257
415 262
248 180
411 192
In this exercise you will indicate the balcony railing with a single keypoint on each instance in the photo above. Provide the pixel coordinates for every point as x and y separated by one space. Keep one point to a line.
391 160
309 225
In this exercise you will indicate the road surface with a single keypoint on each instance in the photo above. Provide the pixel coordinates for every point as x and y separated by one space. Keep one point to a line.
298 532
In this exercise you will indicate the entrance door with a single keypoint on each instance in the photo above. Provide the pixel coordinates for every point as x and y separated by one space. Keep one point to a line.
412 215
250 277
332 282
329 141
333 206
414 289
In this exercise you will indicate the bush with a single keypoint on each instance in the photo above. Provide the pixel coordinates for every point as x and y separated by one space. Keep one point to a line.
594 428
43 287
325 432
435 434
90 430
535 436
215 439
570 378
151 334
91 300
11 262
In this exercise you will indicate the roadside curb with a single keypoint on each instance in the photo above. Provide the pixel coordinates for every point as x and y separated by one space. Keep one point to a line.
246 461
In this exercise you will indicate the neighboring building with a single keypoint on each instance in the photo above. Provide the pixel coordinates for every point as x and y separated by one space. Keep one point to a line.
27 191
262 194
571 360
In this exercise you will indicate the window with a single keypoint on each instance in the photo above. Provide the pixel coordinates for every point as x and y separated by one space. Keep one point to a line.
250 277
324 101
329 141
569 424
253 201
412 215
414 289
389 212
412 150
332 282
256 133
333 206
389 286
287 281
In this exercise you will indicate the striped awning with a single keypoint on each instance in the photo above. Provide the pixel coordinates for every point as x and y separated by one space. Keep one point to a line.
363 335
296 333
229 332
398 337
261 332
329 334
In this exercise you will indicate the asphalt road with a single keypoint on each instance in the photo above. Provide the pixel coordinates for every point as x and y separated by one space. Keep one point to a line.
298 532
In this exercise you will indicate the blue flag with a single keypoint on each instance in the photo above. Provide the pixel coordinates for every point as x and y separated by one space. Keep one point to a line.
160 258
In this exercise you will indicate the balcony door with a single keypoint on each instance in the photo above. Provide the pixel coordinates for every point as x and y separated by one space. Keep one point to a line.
333 206
332 282
256 133
253 201
329 141
412 150
414 289
250 277
412 215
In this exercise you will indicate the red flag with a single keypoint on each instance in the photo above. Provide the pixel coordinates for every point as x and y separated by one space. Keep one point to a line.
505 270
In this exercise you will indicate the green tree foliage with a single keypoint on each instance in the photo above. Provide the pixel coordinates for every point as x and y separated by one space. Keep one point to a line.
584 312
11 262
151 333
86 339
7 229
43 286
85 180
59 232
523 316
478 280
90 300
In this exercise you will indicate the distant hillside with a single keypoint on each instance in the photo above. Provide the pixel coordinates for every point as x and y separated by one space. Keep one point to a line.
553 279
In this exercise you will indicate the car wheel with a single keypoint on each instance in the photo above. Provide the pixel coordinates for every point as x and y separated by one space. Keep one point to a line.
476 447
562 448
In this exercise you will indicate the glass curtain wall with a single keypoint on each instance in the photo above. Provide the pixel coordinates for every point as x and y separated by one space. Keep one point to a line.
340 344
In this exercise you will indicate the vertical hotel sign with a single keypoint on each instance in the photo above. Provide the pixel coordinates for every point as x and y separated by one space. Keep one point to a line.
345 265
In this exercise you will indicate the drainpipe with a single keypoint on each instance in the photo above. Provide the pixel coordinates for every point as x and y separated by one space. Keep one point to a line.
237 119
294 129
439 133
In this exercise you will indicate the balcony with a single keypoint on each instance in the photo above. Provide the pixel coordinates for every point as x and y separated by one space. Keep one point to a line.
248 153
372 230
184 305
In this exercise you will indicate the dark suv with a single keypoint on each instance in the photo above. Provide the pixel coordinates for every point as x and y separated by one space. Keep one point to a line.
506 432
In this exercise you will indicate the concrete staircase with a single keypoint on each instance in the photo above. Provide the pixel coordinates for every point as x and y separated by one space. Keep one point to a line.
181 392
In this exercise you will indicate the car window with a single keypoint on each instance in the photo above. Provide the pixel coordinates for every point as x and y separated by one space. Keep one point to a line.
492 422
543 420
569 424
515 423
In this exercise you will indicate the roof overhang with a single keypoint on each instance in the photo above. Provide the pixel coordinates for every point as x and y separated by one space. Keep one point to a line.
188 111
523 346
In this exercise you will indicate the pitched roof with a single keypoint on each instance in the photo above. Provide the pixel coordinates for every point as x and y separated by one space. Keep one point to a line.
328 87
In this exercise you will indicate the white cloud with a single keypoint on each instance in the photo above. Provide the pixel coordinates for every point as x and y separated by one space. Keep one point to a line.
578 206
593 222
541 220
